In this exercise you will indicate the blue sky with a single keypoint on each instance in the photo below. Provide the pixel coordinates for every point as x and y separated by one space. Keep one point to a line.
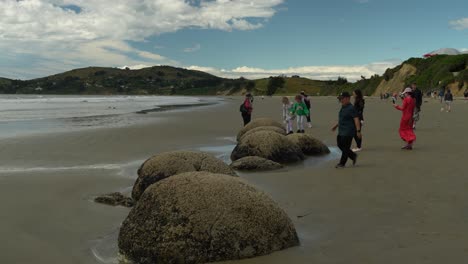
317 39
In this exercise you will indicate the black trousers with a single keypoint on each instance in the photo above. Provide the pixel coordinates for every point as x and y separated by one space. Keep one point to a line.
344 143
246 117
358 141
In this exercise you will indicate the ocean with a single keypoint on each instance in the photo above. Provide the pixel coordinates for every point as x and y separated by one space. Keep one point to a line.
34 114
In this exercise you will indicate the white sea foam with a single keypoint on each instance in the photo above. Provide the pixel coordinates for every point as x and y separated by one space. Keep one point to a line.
5 170
32 114
27 107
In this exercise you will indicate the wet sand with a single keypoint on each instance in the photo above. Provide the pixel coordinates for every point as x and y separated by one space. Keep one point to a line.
394 207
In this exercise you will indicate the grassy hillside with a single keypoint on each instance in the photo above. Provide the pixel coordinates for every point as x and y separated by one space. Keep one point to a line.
429 74
162 80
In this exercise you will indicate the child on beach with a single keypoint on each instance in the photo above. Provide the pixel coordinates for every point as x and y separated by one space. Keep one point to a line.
287 116
301 111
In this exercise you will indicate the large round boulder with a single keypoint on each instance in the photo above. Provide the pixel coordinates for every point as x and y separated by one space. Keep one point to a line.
200 217
269 145
259 122
309 145
255 164
168 164
278 130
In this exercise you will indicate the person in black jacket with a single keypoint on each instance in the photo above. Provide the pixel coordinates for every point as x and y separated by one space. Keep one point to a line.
448 98
359 104
418 96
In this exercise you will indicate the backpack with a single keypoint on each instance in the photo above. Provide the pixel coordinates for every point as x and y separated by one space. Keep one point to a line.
243 109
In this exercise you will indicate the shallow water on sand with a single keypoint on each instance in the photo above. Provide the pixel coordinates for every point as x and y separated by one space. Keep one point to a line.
33 114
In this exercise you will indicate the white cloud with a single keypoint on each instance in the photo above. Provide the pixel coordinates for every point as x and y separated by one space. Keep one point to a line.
195 48
98 32
352 73
460 24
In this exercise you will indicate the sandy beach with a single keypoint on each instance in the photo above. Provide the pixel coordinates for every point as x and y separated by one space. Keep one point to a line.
394 207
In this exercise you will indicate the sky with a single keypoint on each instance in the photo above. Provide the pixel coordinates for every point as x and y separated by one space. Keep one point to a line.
319 39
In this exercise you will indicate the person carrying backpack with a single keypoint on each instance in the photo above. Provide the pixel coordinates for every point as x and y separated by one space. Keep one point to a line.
246 109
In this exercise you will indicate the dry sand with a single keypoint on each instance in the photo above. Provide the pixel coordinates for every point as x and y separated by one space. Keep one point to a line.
394 207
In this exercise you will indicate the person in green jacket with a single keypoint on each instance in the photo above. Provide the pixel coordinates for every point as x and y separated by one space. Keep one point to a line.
301 111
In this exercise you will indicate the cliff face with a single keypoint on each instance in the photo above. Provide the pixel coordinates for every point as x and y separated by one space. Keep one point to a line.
397 83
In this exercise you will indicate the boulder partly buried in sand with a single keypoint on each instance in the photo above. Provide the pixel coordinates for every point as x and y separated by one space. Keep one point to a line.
259 122
200 217
309 145
275 129
172 163
269 145
255 164
114 199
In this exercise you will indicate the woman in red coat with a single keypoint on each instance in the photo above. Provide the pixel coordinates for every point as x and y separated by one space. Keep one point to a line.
406 124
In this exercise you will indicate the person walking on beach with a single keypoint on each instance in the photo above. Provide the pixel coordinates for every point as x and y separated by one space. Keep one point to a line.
418 96
406 123
441 94
246 108
448 100
306 100
359 104
348 126
300 110
287 117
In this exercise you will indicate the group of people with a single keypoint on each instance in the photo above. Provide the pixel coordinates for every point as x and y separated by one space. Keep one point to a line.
299 110
445 96
351 118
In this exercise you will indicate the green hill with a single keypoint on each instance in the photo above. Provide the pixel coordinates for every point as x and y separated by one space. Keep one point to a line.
163 80
430 74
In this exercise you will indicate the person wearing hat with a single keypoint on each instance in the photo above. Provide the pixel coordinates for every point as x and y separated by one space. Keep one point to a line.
246 108
348 127
407 121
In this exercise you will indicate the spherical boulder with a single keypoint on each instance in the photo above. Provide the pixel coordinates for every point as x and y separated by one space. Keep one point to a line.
255 164
168 164
309 145
259 122
200 217
269 145
278 130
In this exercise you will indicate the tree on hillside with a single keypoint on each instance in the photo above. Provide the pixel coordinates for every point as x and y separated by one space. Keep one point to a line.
342 80
250 86
274 83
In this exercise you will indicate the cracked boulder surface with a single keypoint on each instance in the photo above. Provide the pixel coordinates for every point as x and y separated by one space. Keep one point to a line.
200 217
268 145
168 164
259 122
255 164
309 145
278 130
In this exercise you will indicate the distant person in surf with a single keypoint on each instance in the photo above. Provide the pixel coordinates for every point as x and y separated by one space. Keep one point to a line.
406 124
246 108
288 117
448 100
301 112
359 104
348 127
306 100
